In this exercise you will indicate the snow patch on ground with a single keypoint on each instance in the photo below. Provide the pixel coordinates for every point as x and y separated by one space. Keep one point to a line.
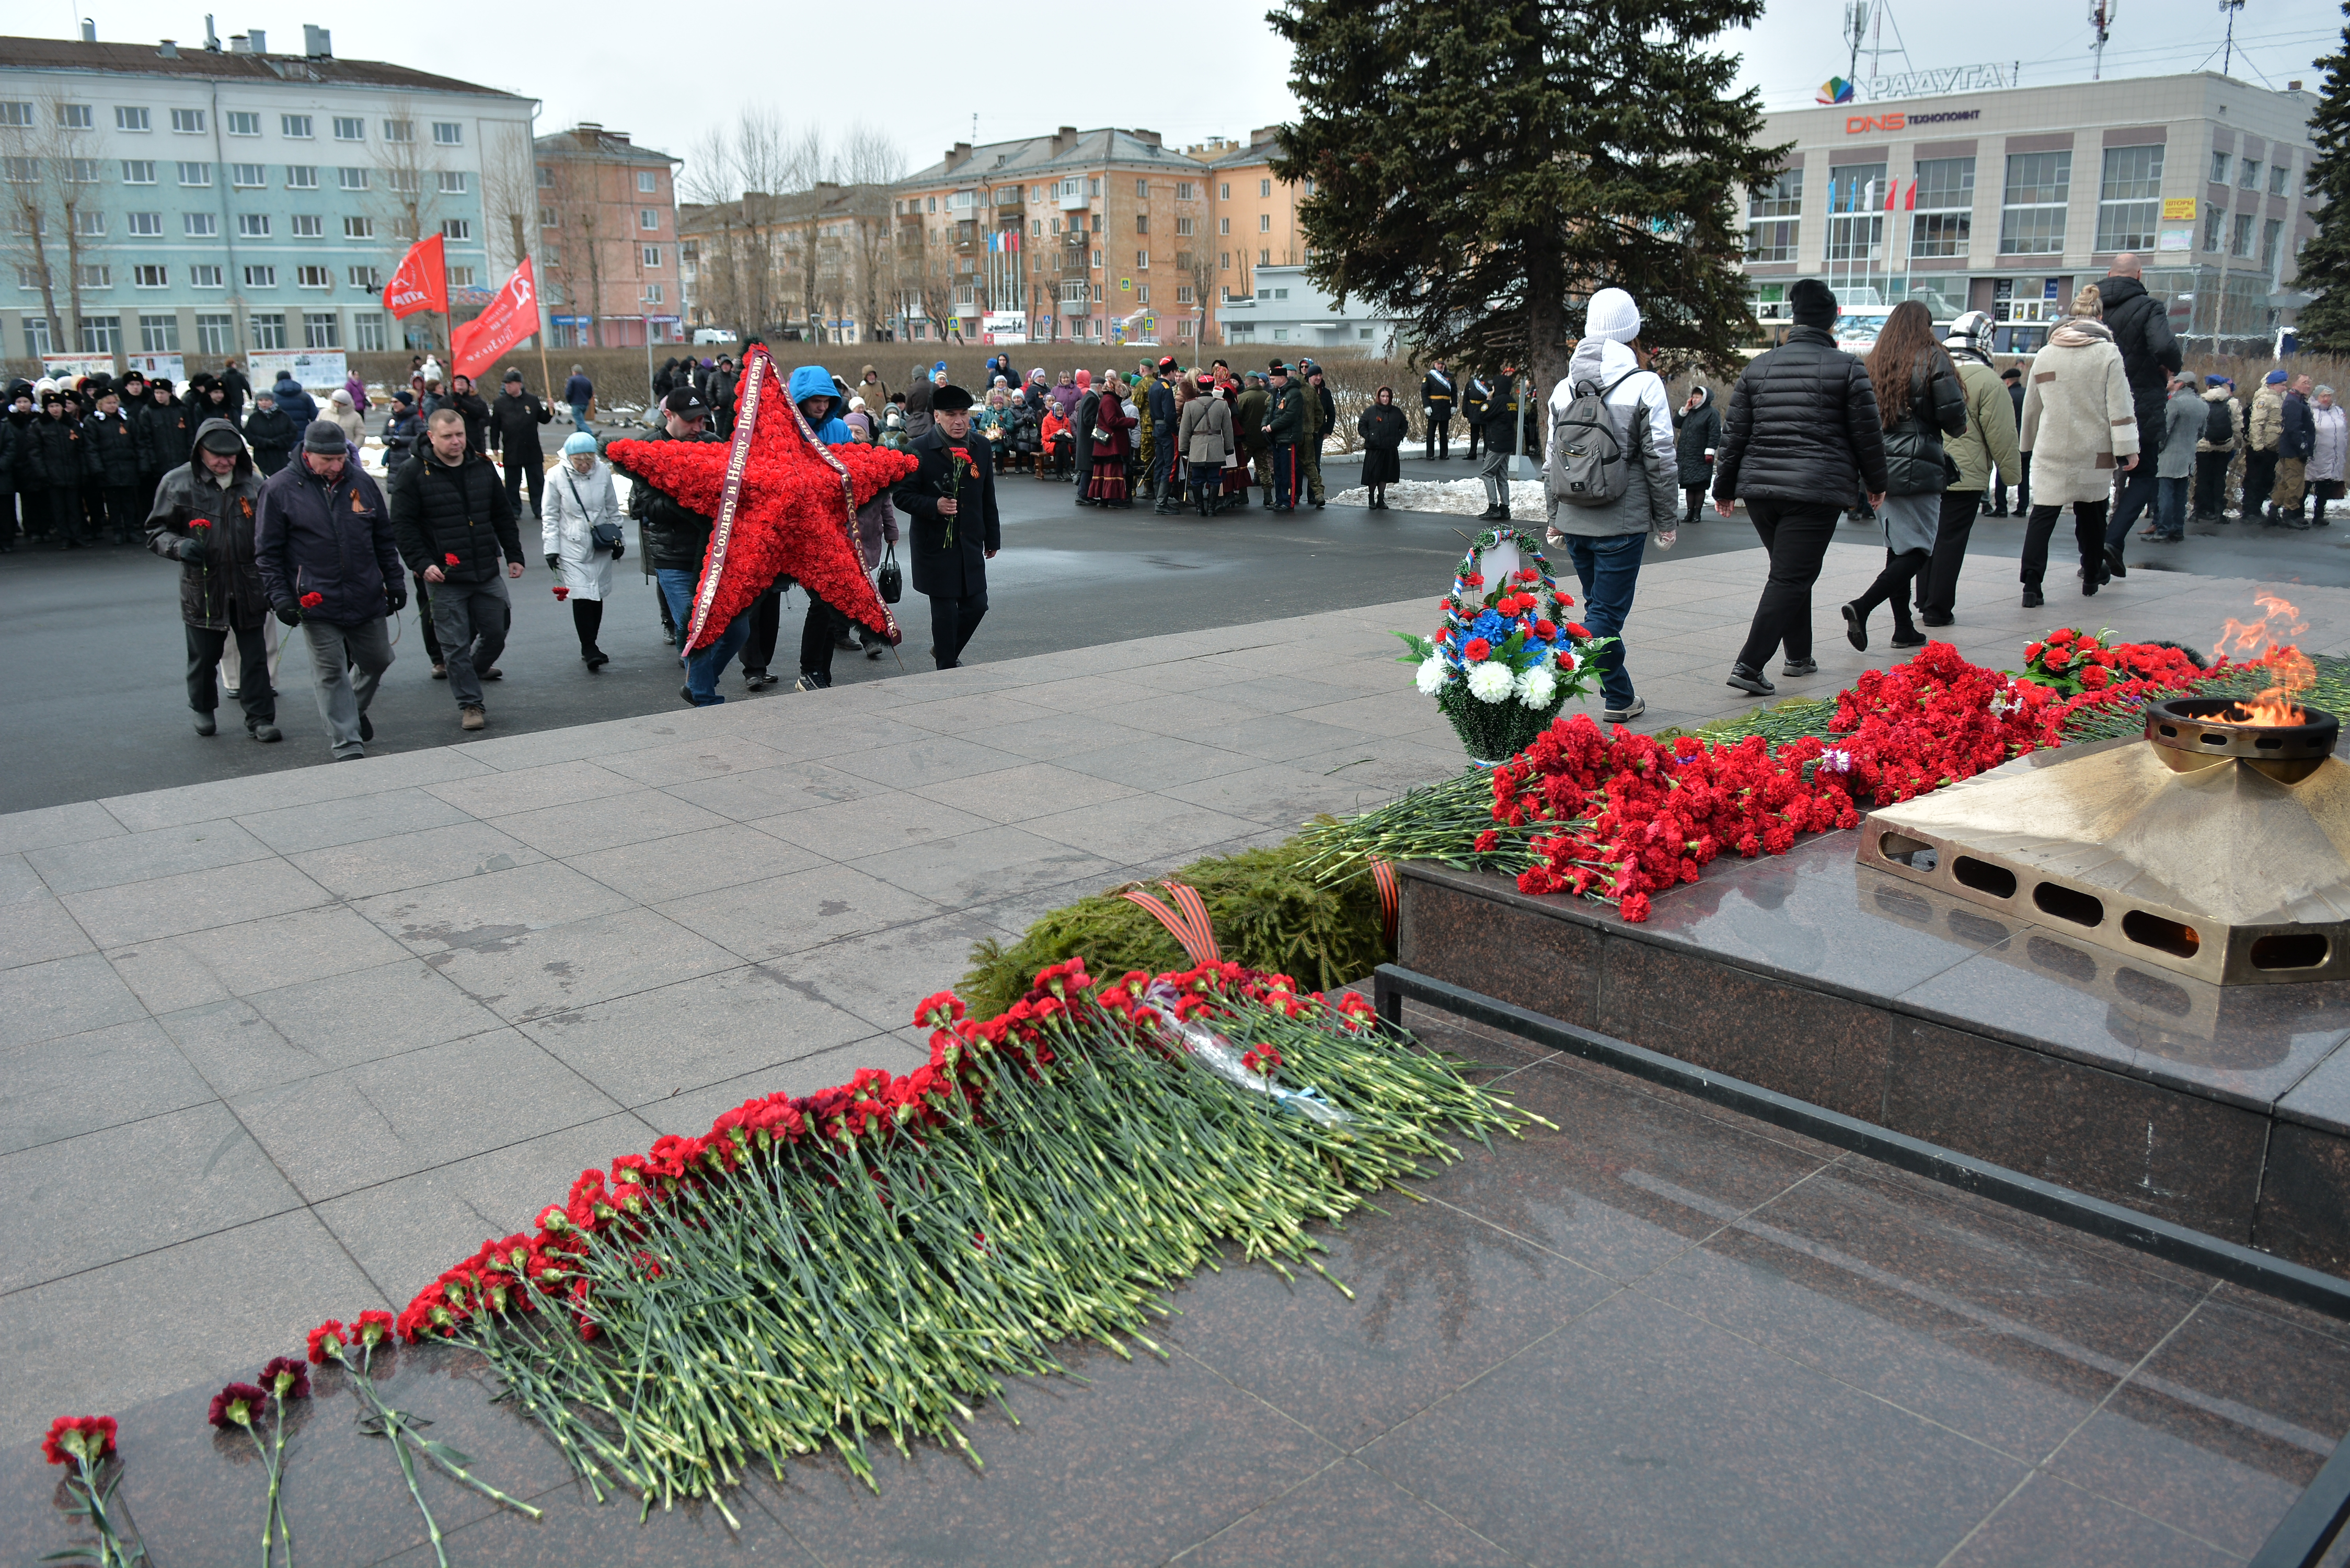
1463 497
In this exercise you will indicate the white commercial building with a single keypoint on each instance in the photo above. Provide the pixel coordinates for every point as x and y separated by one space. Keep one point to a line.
2006 199
1289 310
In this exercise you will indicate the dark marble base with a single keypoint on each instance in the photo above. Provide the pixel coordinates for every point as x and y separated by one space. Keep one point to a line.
2222 1108
1661 1334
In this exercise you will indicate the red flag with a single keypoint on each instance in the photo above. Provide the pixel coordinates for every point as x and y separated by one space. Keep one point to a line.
1910 203
512 316
420 282
1892 194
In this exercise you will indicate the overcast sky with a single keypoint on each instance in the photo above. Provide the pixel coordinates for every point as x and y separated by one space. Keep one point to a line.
1187 68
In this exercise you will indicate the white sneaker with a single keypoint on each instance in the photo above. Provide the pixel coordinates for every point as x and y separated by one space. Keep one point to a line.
1623 715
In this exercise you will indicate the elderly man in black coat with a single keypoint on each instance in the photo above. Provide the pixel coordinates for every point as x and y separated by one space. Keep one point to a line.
951 499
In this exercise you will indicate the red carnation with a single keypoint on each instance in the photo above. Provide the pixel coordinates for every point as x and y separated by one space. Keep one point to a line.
286 1377
449 559
89 1437
1576 629
2063 634
313 599
1474 579
238 1405
1546 629
2058 658
325 1340
200 522
2095 678
1478 649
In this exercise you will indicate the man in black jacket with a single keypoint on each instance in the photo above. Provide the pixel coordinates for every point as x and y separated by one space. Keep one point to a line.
1162 416
1502 421
951 500
1801 439
515 420
324 546
114 447
206 516
239 390
2141 327
167 436
59 462
468 402
675 541
451 518
271 434
1436 398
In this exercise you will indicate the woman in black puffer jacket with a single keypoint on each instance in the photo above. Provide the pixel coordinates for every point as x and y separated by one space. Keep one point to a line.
1919 400
1697 431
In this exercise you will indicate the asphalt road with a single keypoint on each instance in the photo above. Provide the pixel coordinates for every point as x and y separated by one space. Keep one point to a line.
98 705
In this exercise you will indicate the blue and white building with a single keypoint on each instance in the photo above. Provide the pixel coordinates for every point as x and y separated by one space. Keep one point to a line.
211 199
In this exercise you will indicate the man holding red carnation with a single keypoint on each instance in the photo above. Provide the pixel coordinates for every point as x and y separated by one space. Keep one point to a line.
328 563
951 499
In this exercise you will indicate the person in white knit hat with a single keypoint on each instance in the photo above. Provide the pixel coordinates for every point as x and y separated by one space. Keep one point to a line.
1608 540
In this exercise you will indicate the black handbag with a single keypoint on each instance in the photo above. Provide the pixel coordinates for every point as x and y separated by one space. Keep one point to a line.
608 536
893 580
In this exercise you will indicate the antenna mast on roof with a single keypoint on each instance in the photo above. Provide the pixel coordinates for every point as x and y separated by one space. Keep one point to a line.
2101 17
2228 53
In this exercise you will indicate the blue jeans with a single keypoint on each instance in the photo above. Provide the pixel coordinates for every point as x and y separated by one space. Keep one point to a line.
703 667
579 415
2170 505
1609 570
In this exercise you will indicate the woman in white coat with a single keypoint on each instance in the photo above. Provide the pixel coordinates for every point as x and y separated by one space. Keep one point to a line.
2329 457
2080 430
580 499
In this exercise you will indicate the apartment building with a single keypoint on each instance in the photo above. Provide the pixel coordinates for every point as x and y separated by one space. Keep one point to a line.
214 200
819 262
2007 200
608 245
1093 236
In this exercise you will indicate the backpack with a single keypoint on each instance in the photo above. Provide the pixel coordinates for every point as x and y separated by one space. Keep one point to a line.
1587 466
2219 423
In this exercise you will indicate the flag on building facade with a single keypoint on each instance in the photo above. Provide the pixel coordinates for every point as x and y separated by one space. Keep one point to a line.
512 315
420 282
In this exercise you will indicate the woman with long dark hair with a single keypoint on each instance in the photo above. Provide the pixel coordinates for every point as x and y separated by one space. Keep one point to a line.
1918 400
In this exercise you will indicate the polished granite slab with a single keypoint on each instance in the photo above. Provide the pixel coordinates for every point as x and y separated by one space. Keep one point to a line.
1663 1334
2224 1108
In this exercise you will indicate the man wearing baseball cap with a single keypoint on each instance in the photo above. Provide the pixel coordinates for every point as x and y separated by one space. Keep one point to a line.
1285 427
322 537
205 516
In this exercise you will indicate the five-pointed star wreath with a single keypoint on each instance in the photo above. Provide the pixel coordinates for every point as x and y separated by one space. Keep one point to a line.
783 505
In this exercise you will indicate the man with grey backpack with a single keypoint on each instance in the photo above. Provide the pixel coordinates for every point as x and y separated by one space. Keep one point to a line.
1610 479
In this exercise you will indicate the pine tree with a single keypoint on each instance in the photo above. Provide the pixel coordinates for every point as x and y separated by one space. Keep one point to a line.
1479 169
2324 324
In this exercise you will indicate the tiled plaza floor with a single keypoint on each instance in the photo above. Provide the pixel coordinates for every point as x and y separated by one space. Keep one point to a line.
285 1047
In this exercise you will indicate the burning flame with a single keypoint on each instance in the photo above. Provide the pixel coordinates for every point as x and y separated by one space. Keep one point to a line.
2262 642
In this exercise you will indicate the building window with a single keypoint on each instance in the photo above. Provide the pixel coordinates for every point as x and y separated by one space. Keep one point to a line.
89 225
400 130
351 178
1225 262
321 330
1943 223
462 277
195 174
36 335
75 117
2241 243
647 182
16 115
2272 236
648 219
308 226
131 119
653 294
21 171
1855 212
83 171
652 256
402 181
95 275
1183 293
262 277
188 122
314 277
452 181
2215 222
2279 175
204 276
200 225
358 228
350 128
158 333
296 126
1265 190
1264 258
2032 206
149 276
101 334
549 219
247 176
301 177
145 224
2129 199
367 279
366 331
456 229
2248 174
1264 223
138 171
253 226
448 133
267 330
213 333
1771 227
2219 161
242 122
